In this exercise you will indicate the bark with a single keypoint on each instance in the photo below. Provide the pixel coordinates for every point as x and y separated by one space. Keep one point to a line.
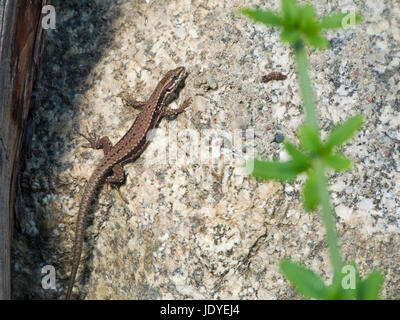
21 36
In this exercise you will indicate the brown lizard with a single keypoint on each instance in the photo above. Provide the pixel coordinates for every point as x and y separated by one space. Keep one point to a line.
128 148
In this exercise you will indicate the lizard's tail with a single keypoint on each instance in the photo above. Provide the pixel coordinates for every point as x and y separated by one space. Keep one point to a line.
87 198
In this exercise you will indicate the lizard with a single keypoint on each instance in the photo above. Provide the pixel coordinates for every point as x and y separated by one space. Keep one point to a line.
127 149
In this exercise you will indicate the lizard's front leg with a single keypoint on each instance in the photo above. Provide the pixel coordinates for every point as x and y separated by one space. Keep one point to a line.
173 112
95 143
129 101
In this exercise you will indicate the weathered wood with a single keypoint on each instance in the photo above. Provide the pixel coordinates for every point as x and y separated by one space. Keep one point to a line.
20 48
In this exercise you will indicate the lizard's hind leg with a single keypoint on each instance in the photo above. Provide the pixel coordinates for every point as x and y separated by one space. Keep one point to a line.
116 179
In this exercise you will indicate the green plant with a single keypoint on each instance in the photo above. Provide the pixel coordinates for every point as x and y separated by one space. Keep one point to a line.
300 27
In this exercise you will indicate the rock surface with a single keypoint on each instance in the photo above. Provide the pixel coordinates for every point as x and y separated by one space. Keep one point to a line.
198 228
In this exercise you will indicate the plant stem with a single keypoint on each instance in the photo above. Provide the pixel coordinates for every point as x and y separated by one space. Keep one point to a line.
328 216
305 85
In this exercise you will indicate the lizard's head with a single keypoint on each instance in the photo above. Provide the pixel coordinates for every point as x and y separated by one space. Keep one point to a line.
173 81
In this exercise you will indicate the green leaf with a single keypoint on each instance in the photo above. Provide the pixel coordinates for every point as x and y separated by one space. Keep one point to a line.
346 282
338 162
273 170
290 35
317 41
343 132
308 23
334 20
366 289
370 286
290 11
265 17
338 293
297 156
310 193
304 280
309 138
